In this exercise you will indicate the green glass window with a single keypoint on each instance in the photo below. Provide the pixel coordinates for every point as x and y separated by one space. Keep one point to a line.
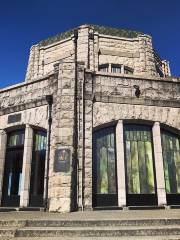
171 158
104 154
139 160
16 139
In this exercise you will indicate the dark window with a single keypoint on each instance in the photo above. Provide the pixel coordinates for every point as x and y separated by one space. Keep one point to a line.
128 70
12 182
116 68
104 68
38 169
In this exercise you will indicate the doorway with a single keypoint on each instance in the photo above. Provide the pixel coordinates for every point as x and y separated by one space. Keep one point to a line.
13 169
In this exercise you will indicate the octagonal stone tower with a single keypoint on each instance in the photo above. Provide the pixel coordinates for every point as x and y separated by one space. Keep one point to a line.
92 126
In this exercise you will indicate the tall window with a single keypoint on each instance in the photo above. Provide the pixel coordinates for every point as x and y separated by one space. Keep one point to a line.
104 161
139 160
12 181
171 158
38 168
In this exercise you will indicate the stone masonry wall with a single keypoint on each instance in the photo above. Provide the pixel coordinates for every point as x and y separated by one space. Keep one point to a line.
93 49
23 97
110 98
116 99
27 100
135 53
43 58
62 192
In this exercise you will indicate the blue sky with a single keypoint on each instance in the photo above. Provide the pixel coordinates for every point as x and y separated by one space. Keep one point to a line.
26 22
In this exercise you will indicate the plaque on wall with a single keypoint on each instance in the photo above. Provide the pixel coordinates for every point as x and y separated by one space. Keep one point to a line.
62 160
14 118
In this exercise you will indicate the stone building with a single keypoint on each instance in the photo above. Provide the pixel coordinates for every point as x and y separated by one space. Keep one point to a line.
95 124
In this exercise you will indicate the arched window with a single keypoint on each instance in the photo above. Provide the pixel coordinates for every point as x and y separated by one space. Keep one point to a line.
171 158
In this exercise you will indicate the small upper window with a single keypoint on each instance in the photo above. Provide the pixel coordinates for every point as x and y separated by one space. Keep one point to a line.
104 68
116 68
128 70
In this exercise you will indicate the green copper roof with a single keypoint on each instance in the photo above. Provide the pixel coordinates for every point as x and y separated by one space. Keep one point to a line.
100 29
116 32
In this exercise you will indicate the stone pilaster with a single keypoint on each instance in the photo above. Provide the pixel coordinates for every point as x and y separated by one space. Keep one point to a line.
33 63
29 72
120 164
161 192
88 129
26 169
62 194
146 63
3 139
96 51
82 45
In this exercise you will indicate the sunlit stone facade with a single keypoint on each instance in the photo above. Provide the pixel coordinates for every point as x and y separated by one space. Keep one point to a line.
95 124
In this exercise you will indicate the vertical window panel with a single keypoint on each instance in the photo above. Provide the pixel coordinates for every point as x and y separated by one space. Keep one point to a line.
139 160
105 168
171 158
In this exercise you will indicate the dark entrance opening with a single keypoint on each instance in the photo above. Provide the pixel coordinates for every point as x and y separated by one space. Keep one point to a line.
104 169
139 162
37 169
13 169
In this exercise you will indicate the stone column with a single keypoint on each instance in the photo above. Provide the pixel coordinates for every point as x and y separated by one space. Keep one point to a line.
3 139
161 192
120 164
26 170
